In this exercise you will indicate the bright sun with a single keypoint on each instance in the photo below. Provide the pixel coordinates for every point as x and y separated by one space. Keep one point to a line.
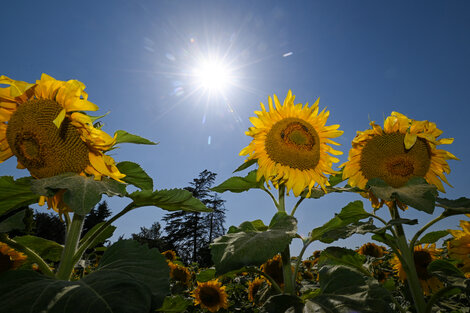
213 75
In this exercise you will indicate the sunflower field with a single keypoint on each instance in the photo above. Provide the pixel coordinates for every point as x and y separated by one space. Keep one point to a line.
395 167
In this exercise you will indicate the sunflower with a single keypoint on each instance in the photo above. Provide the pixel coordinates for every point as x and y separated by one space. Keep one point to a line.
273 268
44 126
210 295
373 250
170 255
253 288
180 273
10 259
459 246
290 144
403 149
423 256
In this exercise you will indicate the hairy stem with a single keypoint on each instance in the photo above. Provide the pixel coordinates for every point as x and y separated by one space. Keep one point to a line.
423 229
67 261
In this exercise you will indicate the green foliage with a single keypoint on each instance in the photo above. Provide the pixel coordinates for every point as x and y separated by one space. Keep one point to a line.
283 303
16 193
343 256
417 193
446 271
82 194
174 304
47 249
248 246
135 175
170 200
454 207
102 237
246 165
205 275
240 184
123 136
14 222
433 236
129 279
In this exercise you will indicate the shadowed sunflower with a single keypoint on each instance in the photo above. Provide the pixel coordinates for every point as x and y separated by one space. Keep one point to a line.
273 268
403 149
170 255
44 126
210 295
10 259
253 288
290 144
423 256
459 246
180 273
373 250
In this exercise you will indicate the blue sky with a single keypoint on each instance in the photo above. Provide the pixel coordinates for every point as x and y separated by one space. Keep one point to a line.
364 59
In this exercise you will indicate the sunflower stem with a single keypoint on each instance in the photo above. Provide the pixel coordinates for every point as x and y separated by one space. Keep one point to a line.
287 272
271 195
296 206
281 207
423 229
45 269
67 261
408 263
299 259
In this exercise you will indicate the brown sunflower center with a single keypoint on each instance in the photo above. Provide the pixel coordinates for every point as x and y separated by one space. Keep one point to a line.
295 143
209 296
40 146
422 260
180 274
5 263
385 157
372 250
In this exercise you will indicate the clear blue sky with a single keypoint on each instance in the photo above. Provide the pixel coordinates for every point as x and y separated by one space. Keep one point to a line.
364 59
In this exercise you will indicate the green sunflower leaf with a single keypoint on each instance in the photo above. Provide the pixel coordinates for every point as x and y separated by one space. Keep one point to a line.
249 246
13 222
283 303
239 184
256 225
433 236
246 165
333 229
175 304
47 249
454 207
135 175
102 237
123 136
417 193
446 271
343 256
336 179
205 275
170 200
16 193
131 278
83 193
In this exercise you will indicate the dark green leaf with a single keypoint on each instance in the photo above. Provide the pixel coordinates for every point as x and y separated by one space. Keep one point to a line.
454 207
16 193
247 227
130 279
174 304
135 175
384 238
433 236
83 193
447 272
47 249
240 184
336 179
170 200
282 304
205 275
123 136
13 222
245 165
343 256
253 247
103 236
348 230
417 193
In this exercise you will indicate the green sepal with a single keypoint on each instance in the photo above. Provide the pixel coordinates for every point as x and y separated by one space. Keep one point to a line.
46 249
239 184
454 207
135 175
14 222
336 178
246 165
123 136
433 236
253 247
175 304
205 275
16 193
82 194
417 193
129 279
170 200
95 118
353 212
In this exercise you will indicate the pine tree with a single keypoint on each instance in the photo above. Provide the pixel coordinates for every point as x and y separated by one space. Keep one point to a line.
153 237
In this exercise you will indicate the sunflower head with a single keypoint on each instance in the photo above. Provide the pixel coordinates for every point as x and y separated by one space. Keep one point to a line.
290 144
273 268
404 148
210 295
10 259
373 250
44 126
423 256
180 273
170 255
459 247
308 264
253 288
